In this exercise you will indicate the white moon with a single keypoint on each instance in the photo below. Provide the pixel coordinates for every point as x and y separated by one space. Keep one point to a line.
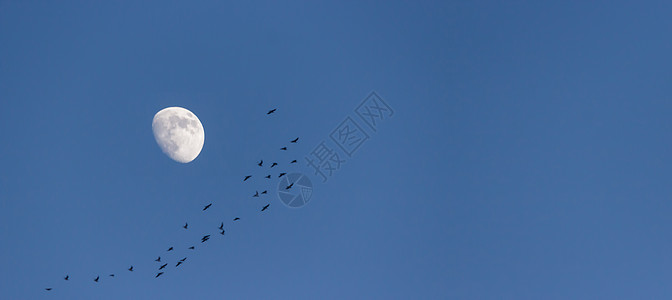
179 133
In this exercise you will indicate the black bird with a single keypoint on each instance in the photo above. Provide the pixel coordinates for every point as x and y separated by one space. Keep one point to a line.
293 162
48 289
274 164
178 264
131 269
111 275
264 192
268 176
207 206
222 233
289 186
265 207
221 226
256 194
282 174
183 259
159 274
67 277
192 247
283 148
162 266
170 249
261 163
236 219
205 238
294 140
96 280
247 177
271 111
186 225
158 259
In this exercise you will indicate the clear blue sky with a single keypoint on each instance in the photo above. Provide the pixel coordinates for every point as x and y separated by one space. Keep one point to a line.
528 156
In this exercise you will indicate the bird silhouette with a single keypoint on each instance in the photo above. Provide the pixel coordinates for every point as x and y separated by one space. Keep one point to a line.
271 111
178 264
289 186
162 266
192 247
157 275
111 275
264 192
48 289
236 219
260 163
205 238
256 194
282 174
247 177
186 225
274 164
283 148
131 269
67 277
268 176
293 162
158 259
221 226
207 206
265 207
183 259
222 233
96 280
170 249
294 140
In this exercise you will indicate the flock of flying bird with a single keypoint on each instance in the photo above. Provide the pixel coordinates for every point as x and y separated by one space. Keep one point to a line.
160 271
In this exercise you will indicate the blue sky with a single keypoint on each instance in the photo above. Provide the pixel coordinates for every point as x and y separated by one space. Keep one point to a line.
528 155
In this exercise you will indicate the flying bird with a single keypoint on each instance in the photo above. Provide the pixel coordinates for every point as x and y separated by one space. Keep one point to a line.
264 192
158 259
293 162
294 140
157 275
247 177
192 247
183 259
268 176
260 163
186 225
131 269
178 264
162 266
236 219
207 206
111 275
271 111
170 249
265 207
274 164
282 174
256 194
48 289
96 280
67 277
221 226
289 186
222 233
283 148
205 238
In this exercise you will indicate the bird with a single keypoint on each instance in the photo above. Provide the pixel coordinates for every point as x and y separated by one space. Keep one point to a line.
183 259
260 163
158 259
207 206
192 247
293 162
265 207
205 238
162 266
274 164
170 249
236 219
67 277
178 264
247 177
157 275
256 194
222 233
48 289
131 269
268 176
111 275
186 225
283 148
96 280
264 192
282 174
221 226
289 186
294 140
271 111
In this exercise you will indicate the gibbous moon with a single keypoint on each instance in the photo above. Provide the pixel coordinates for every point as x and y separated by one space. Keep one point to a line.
179 133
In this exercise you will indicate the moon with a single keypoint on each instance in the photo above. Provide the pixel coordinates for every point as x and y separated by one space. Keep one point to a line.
179 133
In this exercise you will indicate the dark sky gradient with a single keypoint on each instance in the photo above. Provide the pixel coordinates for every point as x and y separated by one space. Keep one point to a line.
528 156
